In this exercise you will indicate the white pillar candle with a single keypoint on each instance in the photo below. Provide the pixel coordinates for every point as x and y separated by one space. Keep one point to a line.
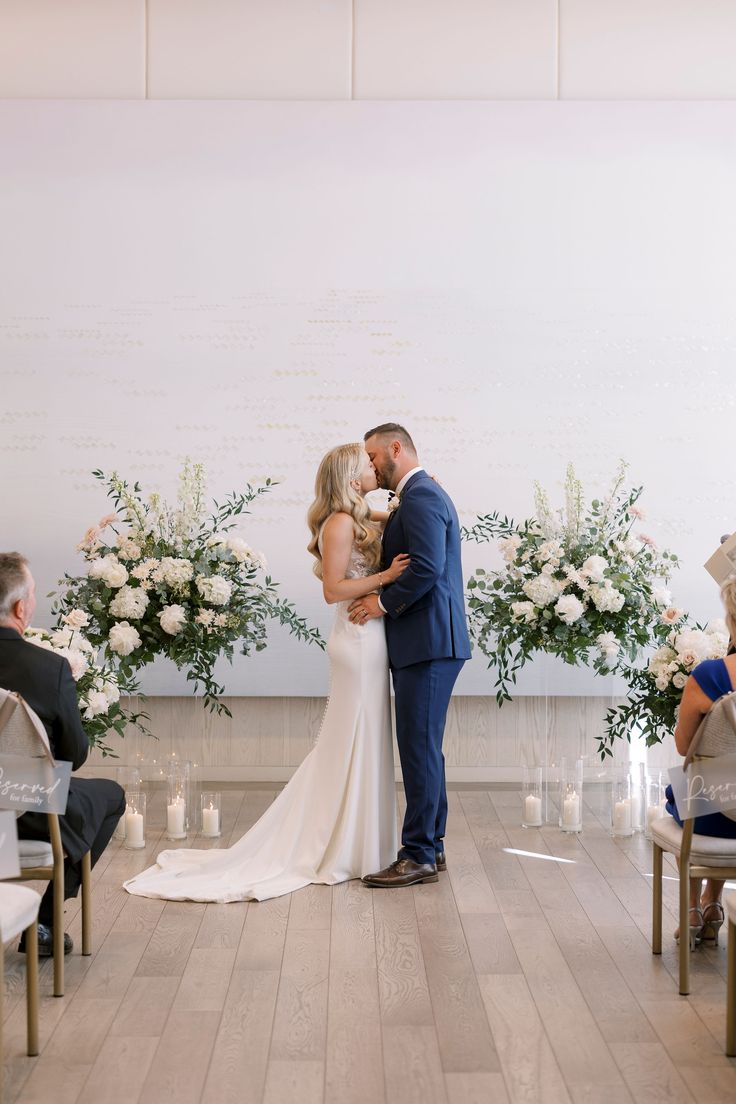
211 822
134 829
622 817
175 818
653 813
571 811
532 810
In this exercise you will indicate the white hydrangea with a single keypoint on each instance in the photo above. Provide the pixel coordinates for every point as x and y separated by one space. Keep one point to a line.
124 638
76 619
96 703
692 646
214 589
717 625
509 546
541 589
569 609
575 577
129 602
524 611
176 572
719 645
606 598
662 659
608 645
172 618
594 568
109 570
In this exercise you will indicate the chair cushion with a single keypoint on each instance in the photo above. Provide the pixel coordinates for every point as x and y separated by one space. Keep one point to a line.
705 850
34 853
729 903
18 908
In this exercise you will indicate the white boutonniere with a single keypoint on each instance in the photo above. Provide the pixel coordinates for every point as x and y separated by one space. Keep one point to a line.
393 503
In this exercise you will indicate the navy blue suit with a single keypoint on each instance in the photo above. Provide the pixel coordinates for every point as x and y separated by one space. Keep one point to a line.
427 638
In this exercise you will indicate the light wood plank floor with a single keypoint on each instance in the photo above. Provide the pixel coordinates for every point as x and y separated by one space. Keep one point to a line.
519 977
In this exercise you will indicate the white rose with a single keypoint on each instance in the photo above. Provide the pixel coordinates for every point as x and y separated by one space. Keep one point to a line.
542 590
662 682
173 619
96 703
214 589
679 680
76 619
594 568
98 568
116 575
124 639
129 602
671 615
508 547
569 609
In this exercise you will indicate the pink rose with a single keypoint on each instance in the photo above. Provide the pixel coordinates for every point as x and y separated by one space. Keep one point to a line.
671 614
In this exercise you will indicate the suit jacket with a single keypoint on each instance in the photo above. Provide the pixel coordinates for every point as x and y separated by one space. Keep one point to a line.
425 606
44 680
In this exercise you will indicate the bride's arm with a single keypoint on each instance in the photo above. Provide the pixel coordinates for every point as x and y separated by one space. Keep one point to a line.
380 517
337 544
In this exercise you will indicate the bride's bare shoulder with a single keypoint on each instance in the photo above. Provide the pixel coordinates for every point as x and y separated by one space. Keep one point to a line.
338 525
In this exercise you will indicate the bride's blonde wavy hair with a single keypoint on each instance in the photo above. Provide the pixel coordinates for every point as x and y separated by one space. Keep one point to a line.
334 494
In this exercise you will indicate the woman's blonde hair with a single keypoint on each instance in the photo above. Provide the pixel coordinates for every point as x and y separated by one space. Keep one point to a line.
728 597
334 494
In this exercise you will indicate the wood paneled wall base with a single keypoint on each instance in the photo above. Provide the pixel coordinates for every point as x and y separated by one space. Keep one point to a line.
267 738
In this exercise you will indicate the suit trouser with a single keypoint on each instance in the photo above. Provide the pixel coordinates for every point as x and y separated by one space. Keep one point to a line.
423 693
113 797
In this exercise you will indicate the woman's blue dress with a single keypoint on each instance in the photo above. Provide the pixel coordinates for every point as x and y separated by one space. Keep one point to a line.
714 680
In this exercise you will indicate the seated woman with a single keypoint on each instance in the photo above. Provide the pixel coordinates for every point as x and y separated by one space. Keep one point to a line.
709 681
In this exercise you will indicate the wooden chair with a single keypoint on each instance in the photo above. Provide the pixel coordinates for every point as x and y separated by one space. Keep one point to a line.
19 913
700 857
22 733
729 907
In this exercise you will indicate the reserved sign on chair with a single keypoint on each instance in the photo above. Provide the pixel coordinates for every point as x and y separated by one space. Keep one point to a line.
33 785
9 864
707 786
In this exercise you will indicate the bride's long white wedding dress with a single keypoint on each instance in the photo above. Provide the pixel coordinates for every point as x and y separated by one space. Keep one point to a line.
336 818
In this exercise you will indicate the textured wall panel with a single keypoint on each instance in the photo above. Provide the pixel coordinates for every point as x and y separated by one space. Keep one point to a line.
72 49
248 49
647 49
464 49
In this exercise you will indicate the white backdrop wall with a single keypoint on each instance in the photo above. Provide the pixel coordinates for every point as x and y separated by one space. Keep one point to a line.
248 284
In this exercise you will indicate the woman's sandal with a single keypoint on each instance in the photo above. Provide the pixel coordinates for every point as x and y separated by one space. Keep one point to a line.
712 921
696 930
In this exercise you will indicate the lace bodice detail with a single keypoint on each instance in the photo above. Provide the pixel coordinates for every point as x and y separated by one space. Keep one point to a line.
357 566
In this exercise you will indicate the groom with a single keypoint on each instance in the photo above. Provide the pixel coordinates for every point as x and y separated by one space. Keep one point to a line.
427 639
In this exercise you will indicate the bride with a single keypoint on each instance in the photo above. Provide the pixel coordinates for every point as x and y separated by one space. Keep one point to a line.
336 818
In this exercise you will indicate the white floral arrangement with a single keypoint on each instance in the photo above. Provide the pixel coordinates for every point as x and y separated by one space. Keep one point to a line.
99 686
655 690
174 581
579 583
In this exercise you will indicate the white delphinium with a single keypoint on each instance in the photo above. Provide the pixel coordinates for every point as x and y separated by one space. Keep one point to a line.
173 619
214 589
594 568
524 611
569 609
124 638
542 590
130 603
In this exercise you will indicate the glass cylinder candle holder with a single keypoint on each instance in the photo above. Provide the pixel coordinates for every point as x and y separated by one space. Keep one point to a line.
571 796
211 807
130 780
656 802
532 798
622 823
638 796
135 820
176 803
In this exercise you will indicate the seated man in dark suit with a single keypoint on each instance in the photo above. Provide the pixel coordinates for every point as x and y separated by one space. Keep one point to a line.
44 680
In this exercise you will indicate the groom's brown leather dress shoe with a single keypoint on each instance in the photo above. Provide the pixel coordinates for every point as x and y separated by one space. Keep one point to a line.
403 872
441 860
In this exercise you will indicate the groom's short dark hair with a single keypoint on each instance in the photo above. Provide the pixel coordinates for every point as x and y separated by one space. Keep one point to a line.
394 430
